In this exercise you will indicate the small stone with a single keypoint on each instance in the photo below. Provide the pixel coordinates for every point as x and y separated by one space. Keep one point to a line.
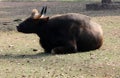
10 46
28 61
80 69
35 49
23 76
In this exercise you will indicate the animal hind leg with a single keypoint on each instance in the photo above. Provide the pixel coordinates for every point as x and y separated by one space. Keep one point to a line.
69 47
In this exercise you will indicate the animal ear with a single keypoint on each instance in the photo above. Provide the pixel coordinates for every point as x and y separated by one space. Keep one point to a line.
35 14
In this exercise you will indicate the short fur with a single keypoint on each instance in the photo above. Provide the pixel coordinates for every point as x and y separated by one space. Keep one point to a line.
65 33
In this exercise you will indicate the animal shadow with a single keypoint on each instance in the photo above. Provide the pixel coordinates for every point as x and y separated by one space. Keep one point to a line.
31 56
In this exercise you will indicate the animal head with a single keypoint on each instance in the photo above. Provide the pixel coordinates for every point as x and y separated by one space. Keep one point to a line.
33 23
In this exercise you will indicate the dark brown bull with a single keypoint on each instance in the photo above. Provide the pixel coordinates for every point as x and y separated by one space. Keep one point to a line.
65 33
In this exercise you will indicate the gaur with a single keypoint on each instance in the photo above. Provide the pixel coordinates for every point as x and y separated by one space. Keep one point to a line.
64 33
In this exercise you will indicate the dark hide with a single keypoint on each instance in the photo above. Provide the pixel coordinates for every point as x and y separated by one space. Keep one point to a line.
66 33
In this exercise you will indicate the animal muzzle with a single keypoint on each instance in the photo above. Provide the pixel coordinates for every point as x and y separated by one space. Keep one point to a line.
18 28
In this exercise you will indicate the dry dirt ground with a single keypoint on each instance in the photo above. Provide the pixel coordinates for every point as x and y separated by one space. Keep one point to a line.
10 11
22 57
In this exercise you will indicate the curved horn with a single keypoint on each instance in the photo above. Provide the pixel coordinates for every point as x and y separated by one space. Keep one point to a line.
43 11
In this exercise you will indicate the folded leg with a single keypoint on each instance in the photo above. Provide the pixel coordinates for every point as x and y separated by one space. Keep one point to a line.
68 47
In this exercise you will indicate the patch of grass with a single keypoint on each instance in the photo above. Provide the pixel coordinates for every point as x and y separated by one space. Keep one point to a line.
12 43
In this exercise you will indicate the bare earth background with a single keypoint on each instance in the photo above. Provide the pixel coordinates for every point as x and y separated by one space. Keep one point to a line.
10 11
22 57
